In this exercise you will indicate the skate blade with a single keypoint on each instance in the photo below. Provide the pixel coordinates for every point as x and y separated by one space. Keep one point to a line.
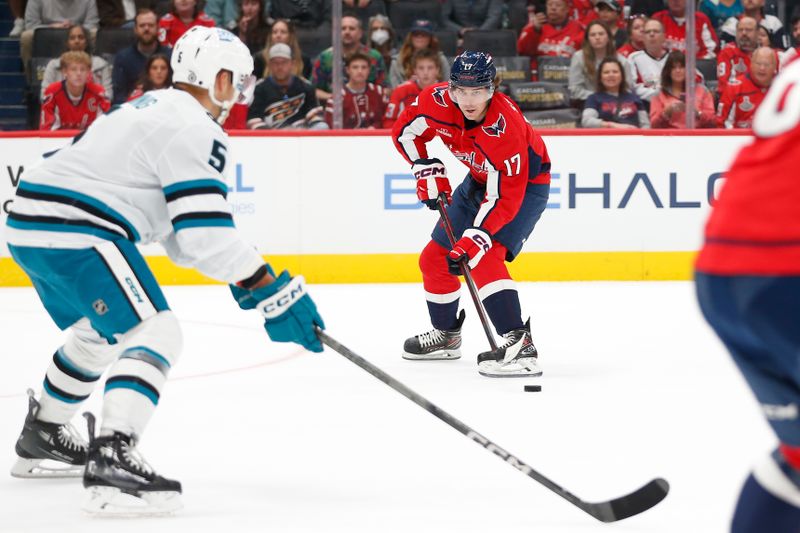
516 369
112 502
446 355
44 469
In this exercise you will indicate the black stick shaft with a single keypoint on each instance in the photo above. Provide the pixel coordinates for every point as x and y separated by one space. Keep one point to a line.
465 270
608 511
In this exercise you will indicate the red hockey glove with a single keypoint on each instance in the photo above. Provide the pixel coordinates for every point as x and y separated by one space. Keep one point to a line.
471 247
432 181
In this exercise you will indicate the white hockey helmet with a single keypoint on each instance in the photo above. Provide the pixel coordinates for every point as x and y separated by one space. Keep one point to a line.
202 52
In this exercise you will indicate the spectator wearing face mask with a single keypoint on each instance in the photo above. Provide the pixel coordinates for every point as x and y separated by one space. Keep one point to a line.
382 37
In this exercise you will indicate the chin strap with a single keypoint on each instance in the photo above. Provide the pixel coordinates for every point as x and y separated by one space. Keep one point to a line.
225 107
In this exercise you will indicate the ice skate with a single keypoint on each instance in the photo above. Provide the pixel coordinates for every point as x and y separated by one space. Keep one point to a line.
121 483
516 358
47 450
435 344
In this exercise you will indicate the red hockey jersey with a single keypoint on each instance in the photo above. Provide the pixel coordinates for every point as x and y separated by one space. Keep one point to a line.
170 27
503 152
675 33
738 104
754 227
559 41
60 113
360 110
732 62
402 97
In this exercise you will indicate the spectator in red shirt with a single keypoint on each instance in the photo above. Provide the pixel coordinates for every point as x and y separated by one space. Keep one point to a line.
550 33
738 104
674 21
363 103
426 72
668 106
635 36
183 14
734 58
157 75
74 102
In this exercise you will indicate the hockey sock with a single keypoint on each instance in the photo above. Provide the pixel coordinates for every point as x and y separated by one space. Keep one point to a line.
442 289
73 373
498 291
135 381
770 499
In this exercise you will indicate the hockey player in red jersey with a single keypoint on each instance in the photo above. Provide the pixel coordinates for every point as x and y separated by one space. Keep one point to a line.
738 104
425 65
748 284
493 211
74 102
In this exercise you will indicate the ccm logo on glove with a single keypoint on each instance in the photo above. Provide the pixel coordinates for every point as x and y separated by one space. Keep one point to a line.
471 247
432 181
277 304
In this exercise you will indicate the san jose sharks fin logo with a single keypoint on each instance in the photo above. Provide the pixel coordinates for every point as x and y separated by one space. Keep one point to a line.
438 96
497 128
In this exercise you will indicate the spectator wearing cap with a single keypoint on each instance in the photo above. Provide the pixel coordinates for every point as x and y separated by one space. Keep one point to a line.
282 31
674 21
55 14
596 47
718 11
420 37
613 105
129 63
182 15
363 103
462 16
550 34
609 12
282 99
352 34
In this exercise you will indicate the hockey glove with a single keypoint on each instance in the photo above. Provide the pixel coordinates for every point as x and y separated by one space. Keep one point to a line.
289 312
471 247
432 181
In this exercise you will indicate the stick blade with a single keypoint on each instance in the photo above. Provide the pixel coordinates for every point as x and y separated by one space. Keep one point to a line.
632 504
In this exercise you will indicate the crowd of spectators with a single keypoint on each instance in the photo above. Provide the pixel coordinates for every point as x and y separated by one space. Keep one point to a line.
623 65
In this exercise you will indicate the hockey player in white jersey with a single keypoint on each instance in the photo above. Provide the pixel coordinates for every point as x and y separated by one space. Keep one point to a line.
149 171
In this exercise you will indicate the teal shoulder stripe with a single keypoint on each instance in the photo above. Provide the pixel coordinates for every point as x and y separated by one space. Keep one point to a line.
204 223
194 184
94 202
63 228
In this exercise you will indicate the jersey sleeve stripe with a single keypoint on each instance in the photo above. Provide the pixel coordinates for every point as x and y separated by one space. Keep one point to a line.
61 225
86 203
202 219
186 188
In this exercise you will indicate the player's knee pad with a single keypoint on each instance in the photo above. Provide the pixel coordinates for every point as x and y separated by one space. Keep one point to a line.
87 349
433 259
160 333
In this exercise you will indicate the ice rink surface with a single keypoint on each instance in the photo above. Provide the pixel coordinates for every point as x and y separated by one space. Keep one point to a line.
267 437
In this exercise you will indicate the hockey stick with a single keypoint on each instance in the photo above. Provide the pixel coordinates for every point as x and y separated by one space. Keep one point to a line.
465 270
609 511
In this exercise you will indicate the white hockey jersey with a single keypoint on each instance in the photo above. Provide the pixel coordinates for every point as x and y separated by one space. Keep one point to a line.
149 171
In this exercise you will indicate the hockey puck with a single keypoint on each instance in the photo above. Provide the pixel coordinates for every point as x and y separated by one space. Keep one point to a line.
533 388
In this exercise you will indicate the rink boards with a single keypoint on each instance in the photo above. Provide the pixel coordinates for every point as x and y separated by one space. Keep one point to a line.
342 208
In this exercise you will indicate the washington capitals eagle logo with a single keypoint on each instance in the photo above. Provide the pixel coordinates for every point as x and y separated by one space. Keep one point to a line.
496 129
438 96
